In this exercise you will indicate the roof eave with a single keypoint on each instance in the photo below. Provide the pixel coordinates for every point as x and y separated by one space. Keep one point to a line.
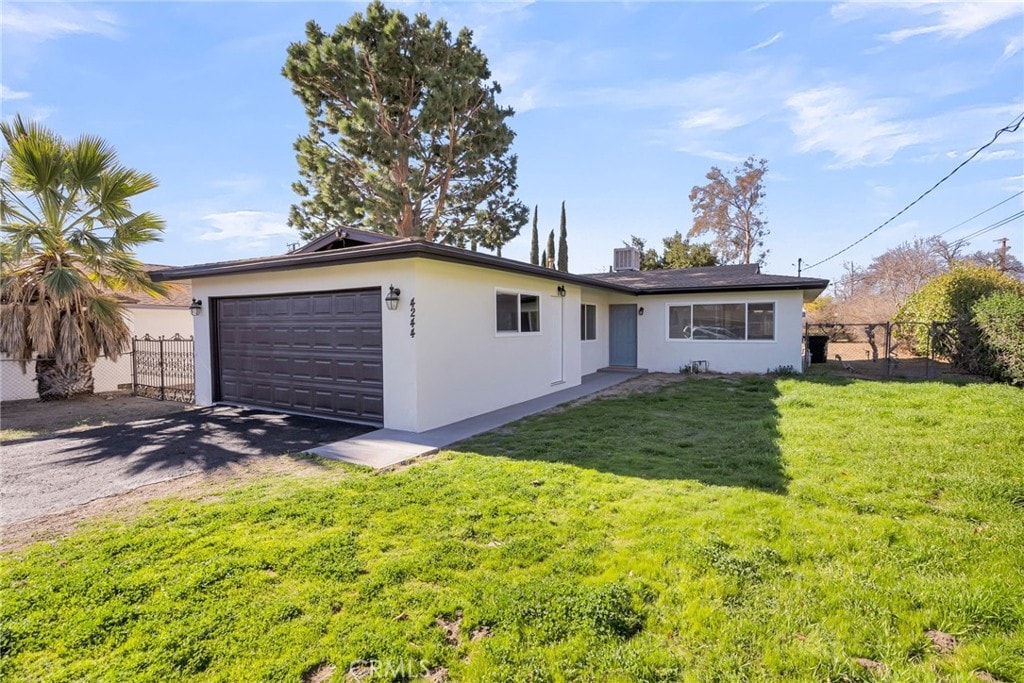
814 288
418 248
385 251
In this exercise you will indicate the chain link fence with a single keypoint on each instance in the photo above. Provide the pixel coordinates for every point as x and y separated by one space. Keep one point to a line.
885 350
108 375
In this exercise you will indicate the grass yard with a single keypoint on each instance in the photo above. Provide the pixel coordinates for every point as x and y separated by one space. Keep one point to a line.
716 529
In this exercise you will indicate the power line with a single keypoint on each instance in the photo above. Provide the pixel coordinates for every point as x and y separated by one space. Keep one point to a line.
988 228
1013 127
980 214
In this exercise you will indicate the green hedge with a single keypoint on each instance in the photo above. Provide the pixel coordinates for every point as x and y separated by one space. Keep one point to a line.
1000 321
951 297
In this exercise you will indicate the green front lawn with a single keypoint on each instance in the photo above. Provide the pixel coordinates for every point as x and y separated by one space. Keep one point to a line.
716 529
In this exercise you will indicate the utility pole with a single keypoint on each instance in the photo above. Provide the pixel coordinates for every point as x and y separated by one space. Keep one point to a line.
1002 254
799 266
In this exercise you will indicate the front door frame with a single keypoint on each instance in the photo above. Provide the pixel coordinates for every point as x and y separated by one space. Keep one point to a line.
622 319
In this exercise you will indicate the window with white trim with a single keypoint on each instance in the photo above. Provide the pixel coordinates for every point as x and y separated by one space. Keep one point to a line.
588 322
709 322
515 312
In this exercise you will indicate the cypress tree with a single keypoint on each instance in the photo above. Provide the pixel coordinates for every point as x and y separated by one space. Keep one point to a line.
534 241
550 260
544 257
563 245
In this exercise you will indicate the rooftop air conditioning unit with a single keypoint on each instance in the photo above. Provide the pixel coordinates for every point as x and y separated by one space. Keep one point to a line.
626 258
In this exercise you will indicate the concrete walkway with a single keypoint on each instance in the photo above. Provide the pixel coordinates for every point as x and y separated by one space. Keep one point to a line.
387 447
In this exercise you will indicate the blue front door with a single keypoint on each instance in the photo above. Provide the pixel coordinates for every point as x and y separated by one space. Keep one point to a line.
622 335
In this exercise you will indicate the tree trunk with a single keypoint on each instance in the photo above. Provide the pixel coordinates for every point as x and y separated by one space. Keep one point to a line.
56 383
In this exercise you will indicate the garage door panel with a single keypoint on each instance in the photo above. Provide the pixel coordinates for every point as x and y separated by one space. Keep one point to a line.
319 353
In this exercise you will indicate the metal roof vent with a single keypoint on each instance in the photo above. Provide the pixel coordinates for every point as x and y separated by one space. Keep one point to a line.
626 258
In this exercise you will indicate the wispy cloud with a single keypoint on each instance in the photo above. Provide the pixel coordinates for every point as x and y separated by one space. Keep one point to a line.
715 119
697 150
944 19
883 192
31 113
958 20
854 130
1012 183
734 91
703 109
517 72
999 154
765 43
1013 46
7 94
251 229
46 21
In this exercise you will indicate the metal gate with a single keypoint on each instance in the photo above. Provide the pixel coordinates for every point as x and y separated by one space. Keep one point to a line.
164 369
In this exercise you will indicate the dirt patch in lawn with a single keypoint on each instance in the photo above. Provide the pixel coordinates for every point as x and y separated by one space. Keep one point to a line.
27 418
125 506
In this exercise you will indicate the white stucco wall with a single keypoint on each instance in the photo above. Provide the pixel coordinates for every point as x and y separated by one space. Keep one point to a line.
456 366
467 368
658 353
159 321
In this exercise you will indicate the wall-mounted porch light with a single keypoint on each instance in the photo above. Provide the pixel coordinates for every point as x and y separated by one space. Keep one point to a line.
391 300
196 308
641 311
561 290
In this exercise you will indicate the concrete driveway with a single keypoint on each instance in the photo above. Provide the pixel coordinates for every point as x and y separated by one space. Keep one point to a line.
49 474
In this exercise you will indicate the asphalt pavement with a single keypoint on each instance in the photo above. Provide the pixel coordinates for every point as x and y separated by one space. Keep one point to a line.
49 474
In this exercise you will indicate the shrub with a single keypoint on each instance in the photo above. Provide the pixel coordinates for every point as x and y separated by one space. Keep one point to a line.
1000 321
950 297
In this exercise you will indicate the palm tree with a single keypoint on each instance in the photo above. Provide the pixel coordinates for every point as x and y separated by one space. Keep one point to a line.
68 235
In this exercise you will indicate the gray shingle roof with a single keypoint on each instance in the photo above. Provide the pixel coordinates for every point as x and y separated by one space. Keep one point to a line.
179 294
715 278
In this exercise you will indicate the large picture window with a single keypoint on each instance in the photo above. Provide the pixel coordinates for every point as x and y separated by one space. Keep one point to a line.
517 312
719 321
588 322
754 321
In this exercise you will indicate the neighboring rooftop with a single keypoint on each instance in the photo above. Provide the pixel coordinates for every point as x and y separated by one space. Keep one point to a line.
179 294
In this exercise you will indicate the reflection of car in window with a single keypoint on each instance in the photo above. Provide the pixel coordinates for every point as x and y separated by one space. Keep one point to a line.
702 332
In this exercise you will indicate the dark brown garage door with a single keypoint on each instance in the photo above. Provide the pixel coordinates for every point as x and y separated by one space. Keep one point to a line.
311 353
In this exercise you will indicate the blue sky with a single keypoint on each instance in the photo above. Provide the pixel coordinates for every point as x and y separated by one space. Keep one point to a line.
621 109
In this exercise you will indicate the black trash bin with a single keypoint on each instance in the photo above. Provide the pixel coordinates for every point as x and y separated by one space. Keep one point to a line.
817 344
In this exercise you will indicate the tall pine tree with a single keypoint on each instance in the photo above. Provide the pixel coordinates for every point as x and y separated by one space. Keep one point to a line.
563 245
406 135
534 241
549 262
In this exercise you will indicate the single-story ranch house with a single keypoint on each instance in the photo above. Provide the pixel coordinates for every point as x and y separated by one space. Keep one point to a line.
415 335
